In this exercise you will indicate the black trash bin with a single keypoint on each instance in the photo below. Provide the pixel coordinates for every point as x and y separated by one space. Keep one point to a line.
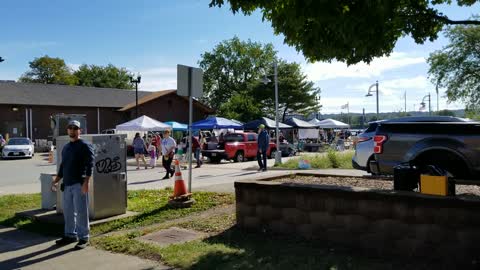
405 177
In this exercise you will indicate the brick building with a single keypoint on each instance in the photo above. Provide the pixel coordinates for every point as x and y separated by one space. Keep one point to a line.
25 108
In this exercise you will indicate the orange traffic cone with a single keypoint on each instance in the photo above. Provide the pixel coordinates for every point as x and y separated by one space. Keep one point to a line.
179 189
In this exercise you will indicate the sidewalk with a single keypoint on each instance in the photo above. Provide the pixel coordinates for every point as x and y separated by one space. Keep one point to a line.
25 250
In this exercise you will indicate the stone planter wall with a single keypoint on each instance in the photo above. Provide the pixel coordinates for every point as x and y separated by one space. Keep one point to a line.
376 222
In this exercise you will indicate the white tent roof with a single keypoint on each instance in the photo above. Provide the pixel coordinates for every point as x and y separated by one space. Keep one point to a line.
143 123
330 123
314 121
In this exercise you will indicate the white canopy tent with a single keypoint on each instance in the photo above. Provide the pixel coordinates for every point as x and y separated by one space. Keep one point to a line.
314 121
143 123
330 123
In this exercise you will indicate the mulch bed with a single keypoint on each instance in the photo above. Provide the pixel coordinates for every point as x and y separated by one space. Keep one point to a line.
383 184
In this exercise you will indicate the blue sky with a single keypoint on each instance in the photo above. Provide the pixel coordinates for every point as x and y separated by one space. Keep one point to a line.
152 37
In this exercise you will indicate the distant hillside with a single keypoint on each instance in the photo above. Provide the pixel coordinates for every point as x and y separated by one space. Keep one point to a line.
355 119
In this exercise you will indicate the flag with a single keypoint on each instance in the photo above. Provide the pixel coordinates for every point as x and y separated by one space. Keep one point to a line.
344 106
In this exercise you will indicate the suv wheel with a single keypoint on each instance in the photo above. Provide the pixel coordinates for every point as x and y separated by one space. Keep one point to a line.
239 157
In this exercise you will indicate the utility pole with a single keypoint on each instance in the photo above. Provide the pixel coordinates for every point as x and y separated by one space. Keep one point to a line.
405 96
136 82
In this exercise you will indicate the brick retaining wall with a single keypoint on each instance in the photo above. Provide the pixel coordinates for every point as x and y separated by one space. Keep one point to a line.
376 222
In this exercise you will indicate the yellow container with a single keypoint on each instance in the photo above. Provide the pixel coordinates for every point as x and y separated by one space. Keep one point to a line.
434 185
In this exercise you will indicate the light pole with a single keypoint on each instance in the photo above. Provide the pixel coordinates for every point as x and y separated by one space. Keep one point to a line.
265 80
429 104
369 94
136 81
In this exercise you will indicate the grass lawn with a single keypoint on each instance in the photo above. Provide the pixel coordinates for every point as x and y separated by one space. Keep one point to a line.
332 159
152 204
231 248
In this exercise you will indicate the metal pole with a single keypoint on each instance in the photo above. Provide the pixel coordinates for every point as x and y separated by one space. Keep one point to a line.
436 89
429 105
278 155
190 120
31 129
136 99
377 101
26 123
405 101
363 118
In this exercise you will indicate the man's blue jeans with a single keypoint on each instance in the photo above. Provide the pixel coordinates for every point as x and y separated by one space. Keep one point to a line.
197 157
75 212
262 155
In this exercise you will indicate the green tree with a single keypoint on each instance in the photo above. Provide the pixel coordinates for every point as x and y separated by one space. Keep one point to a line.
232 73
295 93
241 107
49 70
103 76
350 31
446 113
231 67
457 66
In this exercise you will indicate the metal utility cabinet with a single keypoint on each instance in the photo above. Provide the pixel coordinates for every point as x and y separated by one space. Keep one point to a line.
108 184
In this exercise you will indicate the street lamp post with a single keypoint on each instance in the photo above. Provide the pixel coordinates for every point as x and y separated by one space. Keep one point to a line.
369 94
136 81
278 154
429 103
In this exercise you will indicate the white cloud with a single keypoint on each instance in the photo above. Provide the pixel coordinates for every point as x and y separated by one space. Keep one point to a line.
73 67
323 70
158 78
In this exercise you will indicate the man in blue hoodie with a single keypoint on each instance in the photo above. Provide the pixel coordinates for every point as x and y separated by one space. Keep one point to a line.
76 170
263 142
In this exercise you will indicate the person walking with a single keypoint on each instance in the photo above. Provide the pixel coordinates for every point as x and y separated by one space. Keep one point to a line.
168 150
76 169
263 142
152 150
139 150
196 149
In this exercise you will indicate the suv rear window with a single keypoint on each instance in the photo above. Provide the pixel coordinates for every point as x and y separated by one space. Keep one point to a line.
233 138
371 128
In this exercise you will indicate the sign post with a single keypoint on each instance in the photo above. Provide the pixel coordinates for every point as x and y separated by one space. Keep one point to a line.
189 83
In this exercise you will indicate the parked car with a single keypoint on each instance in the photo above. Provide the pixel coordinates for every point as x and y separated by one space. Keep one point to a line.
237 147
453 147
364 142
18 147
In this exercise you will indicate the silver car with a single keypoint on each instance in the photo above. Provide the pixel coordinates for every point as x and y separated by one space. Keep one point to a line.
18 147
364 144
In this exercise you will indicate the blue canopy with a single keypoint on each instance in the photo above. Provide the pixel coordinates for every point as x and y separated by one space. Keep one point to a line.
177 126
216 123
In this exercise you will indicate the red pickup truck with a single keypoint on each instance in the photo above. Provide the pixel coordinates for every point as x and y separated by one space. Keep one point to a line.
236 146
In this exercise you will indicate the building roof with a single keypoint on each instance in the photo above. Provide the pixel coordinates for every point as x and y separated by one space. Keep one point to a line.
155 95
14 93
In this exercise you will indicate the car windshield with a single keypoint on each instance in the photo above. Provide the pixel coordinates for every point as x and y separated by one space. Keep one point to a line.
15 141
233 138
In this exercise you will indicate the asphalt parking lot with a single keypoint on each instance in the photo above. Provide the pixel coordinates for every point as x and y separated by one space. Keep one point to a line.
22 175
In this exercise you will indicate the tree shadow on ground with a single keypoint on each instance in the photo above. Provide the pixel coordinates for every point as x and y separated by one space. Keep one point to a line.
269 251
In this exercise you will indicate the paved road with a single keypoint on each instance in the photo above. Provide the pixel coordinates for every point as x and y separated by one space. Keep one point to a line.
22 176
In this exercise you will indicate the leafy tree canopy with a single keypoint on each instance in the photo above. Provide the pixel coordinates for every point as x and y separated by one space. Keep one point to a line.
232 73
457 66
350 31
106 77
49 70
231 66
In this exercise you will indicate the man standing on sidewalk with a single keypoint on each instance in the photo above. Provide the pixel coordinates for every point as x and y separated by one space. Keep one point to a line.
168 151
76 170
263 142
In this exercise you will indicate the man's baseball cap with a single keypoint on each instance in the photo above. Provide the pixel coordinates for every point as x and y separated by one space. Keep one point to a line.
261 126
74 123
